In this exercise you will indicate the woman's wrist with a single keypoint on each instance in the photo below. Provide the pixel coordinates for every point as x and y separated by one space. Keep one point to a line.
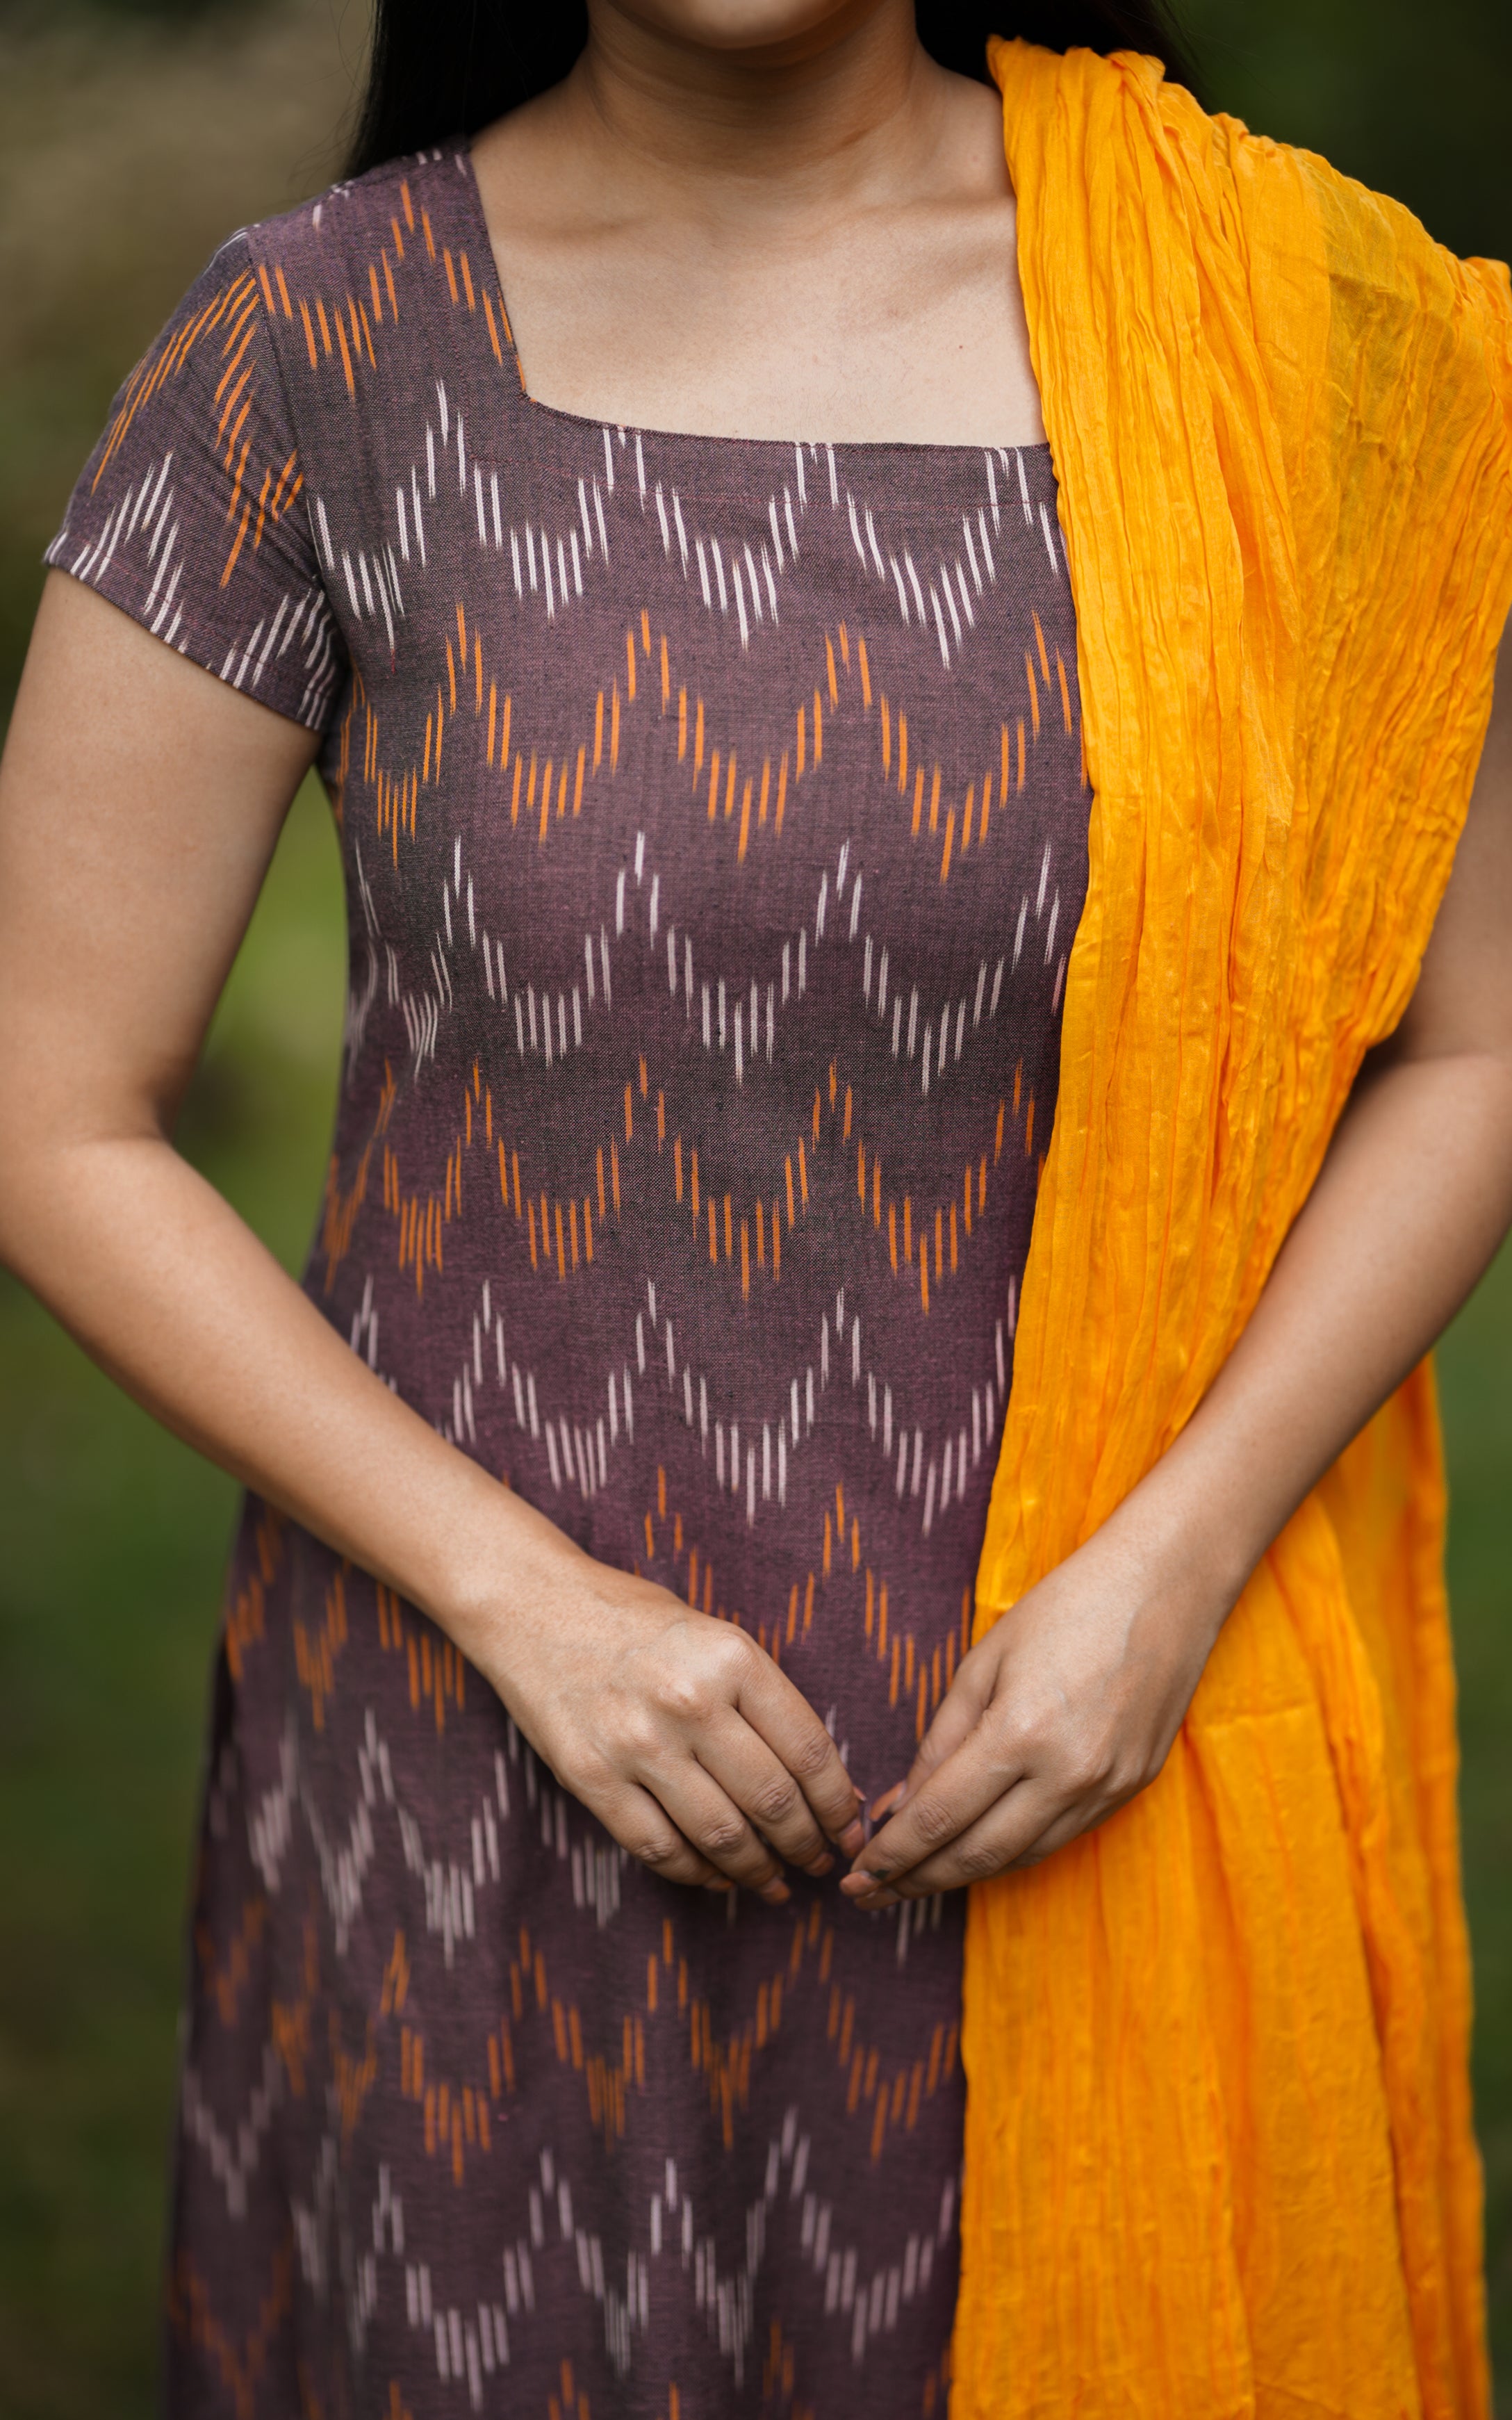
1188 1539
493 1571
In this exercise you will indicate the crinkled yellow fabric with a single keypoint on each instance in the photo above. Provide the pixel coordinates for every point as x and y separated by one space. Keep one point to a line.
1218 2152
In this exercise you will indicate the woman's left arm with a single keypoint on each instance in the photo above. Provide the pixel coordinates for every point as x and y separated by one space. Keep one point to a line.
1070 1704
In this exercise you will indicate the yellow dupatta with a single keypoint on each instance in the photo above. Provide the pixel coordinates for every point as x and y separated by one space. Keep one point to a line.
1218 2149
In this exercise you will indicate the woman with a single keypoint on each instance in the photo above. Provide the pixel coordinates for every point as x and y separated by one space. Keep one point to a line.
642 513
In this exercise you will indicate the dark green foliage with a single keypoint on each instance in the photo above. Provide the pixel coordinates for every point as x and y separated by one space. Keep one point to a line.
1414 102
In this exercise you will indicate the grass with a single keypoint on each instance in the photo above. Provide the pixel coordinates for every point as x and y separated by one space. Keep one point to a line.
126 152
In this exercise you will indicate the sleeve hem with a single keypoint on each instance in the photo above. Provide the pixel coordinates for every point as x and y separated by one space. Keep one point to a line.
240 666
166 524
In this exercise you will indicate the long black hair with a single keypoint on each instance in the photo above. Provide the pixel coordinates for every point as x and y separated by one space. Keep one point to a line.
440 68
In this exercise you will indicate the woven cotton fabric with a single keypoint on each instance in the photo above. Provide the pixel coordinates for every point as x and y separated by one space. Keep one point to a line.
714 820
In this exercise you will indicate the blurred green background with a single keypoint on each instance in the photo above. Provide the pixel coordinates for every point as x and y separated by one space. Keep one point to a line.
133 138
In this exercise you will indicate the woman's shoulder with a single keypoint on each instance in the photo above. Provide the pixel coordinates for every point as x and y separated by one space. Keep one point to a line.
1295 203
243 443
361 230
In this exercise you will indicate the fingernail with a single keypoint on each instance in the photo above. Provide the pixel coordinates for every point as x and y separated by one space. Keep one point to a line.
775 1894
720 1886
889 1800
852 1839
822 1864
856 1885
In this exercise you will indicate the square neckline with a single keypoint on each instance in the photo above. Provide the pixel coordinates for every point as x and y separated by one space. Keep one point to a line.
875 446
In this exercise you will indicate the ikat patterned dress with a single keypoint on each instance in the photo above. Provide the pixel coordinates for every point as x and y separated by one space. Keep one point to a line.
714 822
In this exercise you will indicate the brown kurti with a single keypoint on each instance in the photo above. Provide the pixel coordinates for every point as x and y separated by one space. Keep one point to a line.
714 831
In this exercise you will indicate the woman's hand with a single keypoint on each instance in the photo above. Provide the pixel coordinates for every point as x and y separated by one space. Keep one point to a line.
1070 1705
681 1734
1066 1709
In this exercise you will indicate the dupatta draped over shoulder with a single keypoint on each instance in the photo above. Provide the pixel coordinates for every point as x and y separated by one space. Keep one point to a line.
1219 2159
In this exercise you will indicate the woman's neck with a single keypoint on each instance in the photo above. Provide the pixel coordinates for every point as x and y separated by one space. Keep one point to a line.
815 119
810 237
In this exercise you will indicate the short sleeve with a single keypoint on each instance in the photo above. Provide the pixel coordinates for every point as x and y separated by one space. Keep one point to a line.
190 513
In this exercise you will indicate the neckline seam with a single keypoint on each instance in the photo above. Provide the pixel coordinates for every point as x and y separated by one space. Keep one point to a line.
460 149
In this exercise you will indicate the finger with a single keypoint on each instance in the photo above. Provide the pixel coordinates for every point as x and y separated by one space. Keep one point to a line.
1006 1835
961 1710
1067 1827
954 1795
707 1817
761 1785
785 1720
1034 1827
642 1825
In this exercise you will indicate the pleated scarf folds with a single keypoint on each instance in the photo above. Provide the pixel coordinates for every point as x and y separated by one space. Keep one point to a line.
1219 2160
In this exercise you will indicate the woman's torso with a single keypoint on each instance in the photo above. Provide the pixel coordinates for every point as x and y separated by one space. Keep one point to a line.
702 783
714 822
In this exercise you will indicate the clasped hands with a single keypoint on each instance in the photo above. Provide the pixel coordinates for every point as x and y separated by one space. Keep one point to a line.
1063 1711
701 1757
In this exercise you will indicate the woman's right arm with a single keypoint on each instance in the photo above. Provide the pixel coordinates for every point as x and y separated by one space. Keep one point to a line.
140 802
